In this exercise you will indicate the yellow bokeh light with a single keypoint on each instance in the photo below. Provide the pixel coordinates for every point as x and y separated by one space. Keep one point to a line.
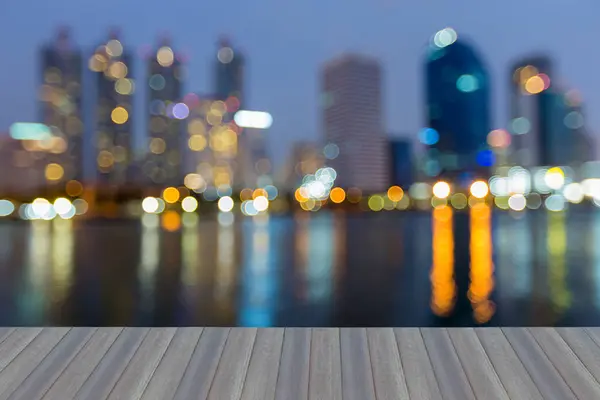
197 143
194 181
157 146
119 115
170 195
376 203
527 73
124 86
458 201
441 190
117 70
114 48
105 159
300 196
535 85
54 172
479 189
74 188
395 193
165 56
337 195
259 192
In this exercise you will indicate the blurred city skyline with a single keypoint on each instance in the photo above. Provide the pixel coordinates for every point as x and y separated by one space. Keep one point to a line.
284 58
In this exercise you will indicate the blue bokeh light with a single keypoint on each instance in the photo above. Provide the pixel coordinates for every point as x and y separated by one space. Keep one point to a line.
486 158
429 136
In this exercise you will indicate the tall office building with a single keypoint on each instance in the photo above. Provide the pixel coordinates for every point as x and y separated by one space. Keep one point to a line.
229 72
60 108
458 110
112 65
574 120
402 173
352 113
532 107
165 130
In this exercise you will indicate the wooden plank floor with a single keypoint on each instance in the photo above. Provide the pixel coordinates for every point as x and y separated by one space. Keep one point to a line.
297 363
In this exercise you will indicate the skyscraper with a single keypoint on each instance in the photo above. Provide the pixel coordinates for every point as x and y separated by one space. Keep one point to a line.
352 113
531 111
229 72
165 144
112 64
60 108
401 162
458 109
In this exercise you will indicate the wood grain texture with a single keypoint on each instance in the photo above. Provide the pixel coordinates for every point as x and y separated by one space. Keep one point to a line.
106 374
168 374
568 365
447 367
420 379
584 346
201 369
357 375
325 380
5 332
388 375
81 367
481 374
542 372
15 343
228 382
19 369
138 373
508 366
263 370
292 383
44 375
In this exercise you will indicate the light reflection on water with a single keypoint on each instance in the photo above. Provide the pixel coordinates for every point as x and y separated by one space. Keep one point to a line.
327 269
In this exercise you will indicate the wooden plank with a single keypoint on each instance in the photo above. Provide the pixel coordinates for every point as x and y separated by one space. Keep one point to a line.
357 376
5 332
44 375
292 383
169 373
569 366
447 367
106 374
84 363
584 347
15 343
261 378
483 379
388 375
508 366
542 372
17 371
416 364
138 373
228 382
202 367
325 379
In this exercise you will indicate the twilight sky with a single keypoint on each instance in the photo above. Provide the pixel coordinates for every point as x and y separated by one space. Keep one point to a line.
285 42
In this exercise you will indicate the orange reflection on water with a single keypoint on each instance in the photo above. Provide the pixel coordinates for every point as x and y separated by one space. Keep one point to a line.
443 287
482 267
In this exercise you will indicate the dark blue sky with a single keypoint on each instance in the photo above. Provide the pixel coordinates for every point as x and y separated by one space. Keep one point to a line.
285 42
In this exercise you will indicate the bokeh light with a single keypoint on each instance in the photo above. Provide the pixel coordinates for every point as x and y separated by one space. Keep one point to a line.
225 204
441 190
479 189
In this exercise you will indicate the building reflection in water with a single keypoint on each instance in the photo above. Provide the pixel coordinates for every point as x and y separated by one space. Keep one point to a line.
443 286
32 300
319 268
62 260
225 272
259 272
482 268
190 249
149 260
556 246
